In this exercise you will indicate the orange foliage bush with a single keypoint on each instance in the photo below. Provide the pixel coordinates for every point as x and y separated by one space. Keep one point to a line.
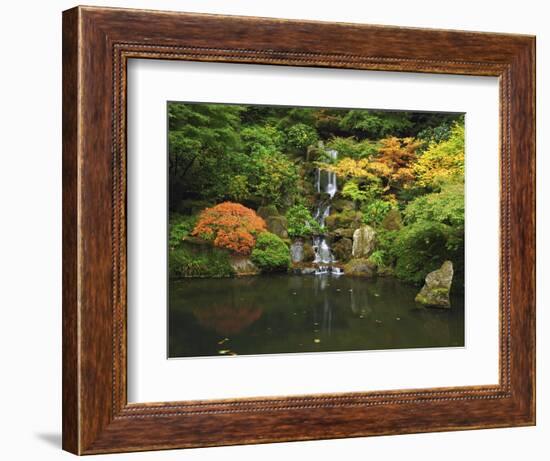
230 225
397 156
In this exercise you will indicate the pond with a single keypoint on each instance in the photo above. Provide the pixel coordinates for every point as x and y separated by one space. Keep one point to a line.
276 314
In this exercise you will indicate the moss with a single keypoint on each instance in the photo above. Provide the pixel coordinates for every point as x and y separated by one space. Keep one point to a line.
309 252
345 219
420 298
433 297
360 267
392 221
267 211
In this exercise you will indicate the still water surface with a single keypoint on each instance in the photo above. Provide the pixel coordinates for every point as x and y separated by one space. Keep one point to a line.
293 313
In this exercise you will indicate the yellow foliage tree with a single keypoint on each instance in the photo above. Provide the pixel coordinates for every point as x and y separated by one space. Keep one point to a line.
442 162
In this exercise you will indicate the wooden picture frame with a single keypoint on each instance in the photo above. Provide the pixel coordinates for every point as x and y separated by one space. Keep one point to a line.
97 43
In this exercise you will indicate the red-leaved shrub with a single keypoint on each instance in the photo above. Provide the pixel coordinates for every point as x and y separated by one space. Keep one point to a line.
230 225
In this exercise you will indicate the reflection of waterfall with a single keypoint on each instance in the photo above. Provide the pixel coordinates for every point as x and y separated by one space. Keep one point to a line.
322 325
325 184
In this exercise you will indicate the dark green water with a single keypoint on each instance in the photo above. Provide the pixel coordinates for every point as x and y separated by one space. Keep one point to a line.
286 313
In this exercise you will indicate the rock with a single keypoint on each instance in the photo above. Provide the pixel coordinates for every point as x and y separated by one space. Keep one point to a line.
297 251
191 206
300 269
385 271
341 204
301 252
277 225
342 249
308 270
360 267
435 292
196 241
341 233
392 220
345 219
243 265
267 211
364 241
309 252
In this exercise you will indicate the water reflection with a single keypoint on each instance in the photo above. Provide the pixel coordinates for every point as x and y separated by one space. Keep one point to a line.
287 313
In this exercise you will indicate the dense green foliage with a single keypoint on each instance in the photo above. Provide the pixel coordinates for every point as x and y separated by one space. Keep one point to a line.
271 253
375 211
400 172
180 227
301 223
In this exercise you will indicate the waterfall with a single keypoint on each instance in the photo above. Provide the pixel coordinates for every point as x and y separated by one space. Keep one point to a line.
325 182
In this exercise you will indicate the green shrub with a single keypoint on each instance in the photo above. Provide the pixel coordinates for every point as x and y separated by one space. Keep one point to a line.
301 223
185 263
300 136
271 253
179 227
419 249
384 256
378 257
375 211
350 147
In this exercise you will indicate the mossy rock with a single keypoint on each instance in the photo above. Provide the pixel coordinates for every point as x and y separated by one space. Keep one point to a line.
435 292
340 234
349 219
191 207
190 241
385 271
243 265
342 249
277 225
360 267
342 204
267 211
364 241
309 253
392 220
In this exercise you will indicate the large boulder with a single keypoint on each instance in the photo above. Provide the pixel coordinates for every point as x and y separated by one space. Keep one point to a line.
301 252
360 267
277 225
364 241
243 265
435 292
297 251
342 249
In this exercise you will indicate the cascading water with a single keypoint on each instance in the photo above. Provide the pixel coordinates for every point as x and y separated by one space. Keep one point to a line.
325 183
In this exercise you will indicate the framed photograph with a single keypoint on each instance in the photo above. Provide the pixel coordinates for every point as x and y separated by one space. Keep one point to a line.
282 230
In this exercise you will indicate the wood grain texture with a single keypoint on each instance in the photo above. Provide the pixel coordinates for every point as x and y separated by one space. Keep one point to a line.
97 43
